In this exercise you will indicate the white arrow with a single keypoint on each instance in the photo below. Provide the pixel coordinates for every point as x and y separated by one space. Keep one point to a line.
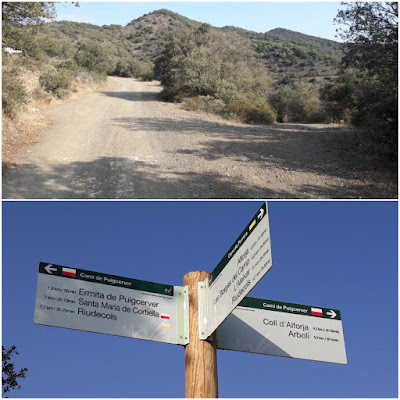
261 214
168 290
331 313
49 269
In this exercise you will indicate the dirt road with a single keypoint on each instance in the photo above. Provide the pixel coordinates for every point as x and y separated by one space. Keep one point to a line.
123 143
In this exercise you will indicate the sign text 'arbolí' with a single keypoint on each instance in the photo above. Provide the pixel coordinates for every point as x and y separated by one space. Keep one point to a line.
103 303
284 329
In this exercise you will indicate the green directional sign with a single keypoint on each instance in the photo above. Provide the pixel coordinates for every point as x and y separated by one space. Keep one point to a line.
93 301
105 279
244 264
292 308
284 329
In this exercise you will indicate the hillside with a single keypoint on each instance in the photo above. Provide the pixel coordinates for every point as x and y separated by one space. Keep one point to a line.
142 38
288 56
239 75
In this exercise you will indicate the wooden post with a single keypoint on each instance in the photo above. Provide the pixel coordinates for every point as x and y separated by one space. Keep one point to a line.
200 355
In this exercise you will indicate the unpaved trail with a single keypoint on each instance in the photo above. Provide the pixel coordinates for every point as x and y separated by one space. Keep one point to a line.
123 143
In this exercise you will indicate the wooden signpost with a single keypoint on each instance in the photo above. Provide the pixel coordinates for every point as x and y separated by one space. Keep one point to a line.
209 312
200 355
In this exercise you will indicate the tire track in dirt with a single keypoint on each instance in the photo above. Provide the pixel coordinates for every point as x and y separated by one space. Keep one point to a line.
124 143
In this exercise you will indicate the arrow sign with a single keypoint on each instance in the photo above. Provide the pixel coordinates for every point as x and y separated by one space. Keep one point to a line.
49 269
283 329
331 313
246 262
103 303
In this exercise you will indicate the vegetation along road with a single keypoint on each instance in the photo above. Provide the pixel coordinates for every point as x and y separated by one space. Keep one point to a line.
122 142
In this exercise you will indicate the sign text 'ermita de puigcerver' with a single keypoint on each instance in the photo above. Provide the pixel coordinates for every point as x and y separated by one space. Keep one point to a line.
245 263
284 329
103 303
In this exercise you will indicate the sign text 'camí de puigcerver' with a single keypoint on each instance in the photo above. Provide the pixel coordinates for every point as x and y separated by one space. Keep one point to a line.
104 303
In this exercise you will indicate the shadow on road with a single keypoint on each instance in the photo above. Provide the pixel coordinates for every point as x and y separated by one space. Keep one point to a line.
108 178
117 178
133 96
320 150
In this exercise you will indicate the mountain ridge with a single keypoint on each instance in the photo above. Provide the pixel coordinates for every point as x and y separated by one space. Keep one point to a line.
287 55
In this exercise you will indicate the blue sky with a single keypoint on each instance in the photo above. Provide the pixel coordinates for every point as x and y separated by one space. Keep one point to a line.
340 255
312 18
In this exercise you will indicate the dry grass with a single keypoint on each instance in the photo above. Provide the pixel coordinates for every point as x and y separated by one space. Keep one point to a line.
23 129
19 132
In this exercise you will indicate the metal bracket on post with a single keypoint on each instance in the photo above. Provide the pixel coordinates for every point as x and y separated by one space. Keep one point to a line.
203 309
201 377
182 314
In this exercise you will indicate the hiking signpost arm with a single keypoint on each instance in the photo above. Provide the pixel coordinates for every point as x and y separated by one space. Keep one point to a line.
210 312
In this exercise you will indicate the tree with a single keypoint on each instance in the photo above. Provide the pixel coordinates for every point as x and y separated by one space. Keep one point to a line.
371 56
298 103
338 98
20 21
371 37
203 62
93 57
26 13
132 67
9 375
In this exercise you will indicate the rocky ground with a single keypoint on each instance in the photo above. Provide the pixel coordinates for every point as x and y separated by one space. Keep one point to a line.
122 142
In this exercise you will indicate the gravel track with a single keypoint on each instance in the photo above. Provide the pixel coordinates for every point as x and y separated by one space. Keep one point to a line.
123 143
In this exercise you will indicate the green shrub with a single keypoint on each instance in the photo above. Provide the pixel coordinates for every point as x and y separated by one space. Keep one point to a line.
134 68
98 77
40 95
338 99
93 57
252 112
14 95
347 115
203 62
300 103
52 80
69 64
147 74
62 93
205 103
172 94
